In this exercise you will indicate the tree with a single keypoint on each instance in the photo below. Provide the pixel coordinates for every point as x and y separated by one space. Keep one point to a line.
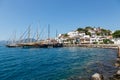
107 41
80 30
98 34
65 35
89 27
116 34
88 33
85 30
105 32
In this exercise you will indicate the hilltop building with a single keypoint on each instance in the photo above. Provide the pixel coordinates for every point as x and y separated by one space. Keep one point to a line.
80 37
116 41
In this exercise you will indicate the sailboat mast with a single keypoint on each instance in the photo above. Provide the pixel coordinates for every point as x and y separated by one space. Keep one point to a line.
14 40
56 33
14 37
38 33
29 33
48 31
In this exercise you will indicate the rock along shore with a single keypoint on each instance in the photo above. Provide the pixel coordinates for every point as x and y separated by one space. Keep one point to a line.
114 46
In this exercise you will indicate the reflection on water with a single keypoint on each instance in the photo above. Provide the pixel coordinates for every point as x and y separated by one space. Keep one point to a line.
55 63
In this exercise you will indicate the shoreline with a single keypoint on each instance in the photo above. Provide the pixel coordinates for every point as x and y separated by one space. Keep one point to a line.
101 76
106 46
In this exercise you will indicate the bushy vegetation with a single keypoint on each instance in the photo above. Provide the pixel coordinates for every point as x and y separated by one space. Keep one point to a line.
95 42
80 30
116 34
101 32
65 35
105 32
107 41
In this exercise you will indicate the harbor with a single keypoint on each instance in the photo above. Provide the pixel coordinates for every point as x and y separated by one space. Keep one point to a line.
98 37
59 40
29 42
81 42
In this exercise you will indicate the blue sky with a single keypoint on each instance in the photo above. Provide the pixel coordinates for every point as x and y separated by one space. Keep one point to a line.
62 15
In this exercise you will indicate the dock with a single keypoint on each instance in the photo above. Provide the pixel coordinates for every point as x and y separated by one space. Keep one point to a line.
39 45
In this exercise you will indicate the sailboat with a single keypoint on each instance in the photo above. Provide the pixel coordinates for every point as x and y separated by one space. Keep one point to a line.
12 43
32 43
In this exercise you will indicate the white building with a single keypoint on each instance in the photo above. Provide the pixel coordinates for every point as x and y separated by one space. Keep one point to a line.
81 34
73 33
116 41
93 33
96 39
86 36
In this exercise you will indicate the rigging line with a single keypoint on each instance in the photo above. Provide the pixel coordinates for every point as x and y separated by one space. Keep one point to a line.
41 32
23 34
44 31
34 35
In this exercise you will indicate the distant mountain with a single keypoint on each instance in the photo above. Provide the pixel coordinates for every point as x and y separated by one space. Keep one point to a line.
3 43
27 40
23 40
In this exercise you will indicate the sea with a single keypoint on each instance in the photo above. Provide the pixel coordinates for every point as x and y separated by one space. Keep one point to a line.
67 63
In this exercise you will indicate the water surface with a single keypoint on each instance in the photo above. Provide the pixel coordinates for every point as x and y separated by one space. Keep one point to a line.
55 63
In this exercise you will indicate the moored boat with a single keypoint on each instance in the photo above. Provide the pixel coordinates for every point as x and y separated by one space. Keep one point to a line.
12 45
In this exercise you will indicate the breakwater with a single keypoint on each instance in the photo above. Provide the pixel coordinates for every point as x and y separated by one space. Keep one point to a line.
116 75
92 45
101 76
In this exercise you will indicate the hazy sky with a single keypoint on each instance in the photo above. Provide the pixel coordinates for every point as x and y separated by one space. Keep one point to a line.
63 15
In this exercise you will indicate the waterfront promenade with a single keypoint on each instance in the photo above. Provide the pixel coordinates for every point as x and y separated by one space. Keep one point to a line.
92 45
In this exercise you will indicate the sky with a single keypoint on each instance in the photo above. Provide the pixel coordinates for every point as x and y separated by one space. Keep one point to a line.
61 15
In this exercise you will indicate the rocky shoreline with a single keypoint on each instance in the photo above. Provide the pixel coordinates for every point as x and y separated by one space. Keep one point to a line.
98 76
113 46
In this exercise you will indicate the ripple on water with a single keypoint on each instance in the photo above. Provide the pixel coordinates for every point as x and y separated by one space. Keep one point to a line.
55 63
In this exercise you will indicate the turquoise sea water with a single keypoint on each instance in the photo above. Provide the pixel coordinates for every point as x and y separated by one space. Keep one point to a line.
55 63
